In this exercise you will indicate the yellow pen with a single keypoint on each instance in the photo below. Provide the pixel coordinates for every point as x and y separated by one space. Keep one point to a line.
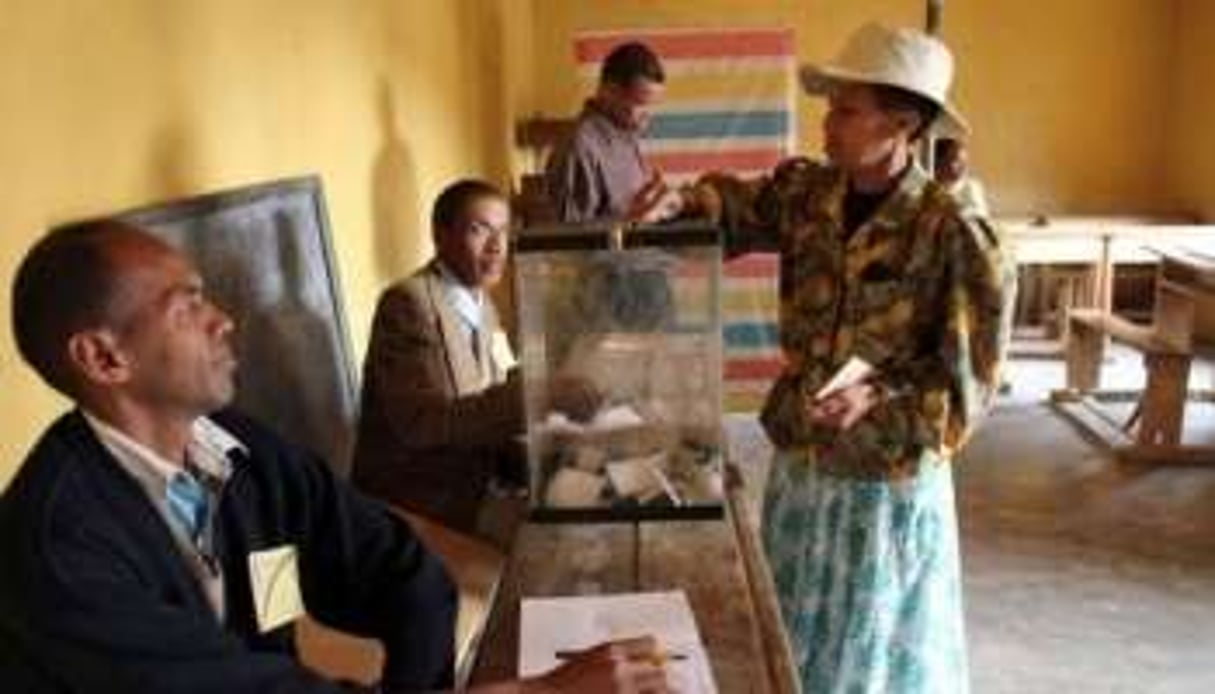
655 658
662 657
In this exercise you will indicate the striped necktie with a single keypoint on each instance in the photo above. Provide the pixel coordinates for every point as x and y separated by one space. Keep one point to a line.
190 505
474 336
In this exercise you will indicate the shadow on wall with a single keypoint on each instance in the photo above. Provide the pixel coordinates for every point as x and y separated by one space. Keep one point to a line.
400 238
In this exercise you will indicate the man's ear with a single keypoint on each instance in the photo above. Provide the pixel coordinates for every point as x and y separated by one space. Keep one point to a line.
97 357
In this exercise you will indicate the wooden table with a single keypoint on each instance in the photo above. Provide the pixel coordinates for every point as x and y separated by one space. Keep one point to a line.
718 563
1081 256
711 560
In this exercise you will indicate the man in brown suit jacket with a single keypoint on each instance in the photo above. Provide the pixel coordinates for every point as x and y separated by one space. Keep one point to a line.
442 403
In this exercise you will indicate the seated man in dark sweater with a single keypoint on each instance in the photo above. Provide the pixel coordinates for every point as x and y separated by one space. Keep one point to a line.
154 542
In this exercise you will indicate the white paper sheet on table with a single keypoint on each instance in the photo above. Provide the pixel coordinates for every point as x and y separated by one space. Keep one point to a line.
548 625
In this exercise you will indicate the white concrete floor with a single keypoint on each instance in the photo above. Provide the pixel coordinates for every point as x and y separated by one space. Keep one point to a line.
1082 574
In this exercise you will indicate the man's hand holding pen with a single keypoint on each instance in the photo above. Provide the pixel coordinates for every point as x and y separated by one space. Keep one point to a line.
629 666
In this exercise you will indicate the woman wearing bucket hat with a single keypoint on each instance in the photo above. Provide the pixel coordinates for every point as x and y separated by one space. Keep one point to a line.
881 271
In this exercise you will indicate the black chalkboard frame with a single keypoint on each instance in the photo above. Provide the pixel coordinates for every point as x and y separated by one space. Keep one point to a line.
265 253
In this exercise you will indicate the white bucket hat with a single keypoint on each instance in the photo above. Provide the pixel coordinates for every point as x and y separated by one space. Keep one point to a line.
904 58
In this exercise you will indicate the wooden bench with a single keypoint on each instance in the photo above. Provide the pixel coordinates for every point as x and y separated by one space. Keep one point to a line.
1184 278
1167 362
1068 286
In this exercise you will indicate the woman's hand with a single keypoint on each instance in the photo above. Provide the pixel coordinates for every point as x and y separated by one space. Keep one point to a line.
843 408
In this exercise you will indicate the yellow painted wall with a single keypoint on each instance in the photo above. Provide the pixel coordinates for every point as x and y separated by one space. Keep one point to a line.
116 103
1064 96
1066 99
119 103
1191 118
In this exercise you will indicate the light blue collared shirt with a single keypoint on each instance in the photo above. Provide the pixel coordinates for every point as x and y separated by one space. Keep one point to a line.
207 453
468 302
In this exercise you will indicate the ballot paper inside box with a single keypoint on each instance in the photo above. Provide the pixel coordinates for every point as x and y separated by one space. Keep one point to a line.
630 323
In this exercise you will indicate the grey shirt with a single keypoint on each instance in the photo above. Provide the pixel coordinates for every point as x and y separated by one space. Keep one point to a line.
596 173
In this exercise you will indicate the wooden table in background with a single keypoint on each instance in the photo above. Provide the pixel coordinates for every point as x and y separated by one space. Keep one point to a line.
1186 280
1079 258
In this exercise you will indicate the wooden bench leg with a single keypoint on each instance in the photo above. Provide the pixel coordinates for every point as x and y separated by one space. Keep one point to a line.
1085 350
1163 402
1065 299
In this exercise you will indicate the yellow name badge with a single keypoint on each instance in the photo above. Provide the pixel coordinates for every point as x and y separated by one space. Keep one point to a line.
274 578
501 352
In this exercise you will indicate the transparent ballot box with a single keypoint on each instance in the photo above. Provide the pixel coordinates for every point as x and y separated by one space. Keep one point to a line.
620 348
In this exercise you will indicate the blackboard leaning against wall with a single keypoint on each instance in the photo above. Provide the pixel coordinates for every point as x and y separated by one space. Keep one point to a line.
265 255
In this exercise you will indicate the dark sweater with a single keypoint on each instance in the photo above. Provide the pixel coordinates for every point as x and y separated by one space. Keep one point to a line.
95 596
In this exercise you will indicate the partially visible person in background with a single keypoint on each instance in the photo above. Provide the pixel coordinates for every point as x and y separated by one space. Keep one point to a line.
951 168
600 173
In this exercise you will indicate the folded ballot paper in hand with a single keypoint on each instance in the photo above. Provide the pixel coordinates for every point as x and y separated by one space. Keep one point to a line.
549 626
854 371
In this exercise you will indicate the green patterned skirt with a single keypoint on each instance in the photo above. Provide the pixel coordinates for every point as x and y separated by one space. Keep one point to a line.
868 578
